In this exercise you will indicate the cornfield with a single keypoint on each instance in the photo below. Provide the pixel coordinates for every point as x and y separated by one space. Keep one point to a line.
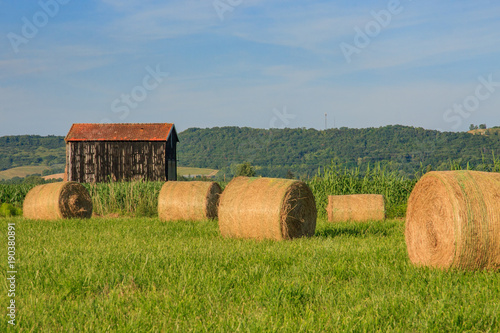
486 165
332 180
124 198
14 193
141 198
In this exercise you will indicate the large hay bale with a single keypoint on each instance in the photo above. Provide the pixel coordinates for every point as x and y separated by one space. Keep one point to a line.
266 208
194 201
58 201
356 207
453 220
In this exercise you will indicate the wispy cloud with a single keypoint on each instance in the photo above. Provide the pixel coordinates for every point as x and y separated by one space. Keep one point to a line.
153 20
421 34
263 55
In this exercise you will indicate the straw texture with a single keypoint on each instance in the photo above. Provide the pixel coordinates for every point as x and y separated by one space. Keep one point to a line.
267 208
193 201
58 201
356 207
453 220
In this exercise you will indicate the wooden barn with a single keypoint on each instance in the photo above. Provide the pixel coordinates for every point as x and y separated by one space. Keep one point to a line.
114 152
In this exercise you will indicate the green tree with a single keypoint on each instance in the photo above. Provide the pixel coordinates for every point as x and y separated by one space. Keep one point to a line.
34 179
245 169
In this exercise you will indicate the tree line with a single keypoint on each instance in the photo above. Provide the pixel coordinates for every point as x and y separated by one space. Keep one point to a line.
297 152
22 150
301 151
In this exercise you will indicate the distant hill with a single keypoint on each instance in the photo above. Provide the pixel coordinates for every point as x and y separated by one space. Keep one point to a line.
24 150
302 151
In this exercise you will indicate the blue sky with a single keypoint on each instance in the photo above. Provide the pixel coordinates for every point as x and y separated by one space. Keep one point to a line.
431 64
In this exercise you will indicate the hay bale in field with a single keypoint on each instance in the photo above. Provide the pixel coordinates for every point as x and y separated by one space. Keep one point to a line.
188 201
356 207
267 208
58 201
453 220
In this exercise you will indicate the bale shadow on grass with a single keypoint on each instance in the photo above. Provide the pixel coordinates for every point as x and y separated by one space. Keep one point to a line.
379 229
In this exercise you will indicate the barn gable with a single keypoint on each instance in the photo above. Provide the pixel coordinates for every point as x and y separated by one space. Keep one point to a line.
114 152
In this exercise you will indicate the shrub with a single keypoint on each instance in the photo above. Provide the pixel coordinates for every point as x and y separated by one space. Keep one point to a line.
8 210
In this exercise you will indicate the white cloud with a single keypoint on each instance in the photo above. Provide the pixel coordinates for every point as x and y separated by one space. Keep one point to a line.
159 20
416 103
306 72
423 34
55 61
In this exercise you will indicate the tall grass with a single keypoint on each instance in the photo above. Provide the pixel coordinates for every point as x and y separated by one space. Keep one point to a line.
333 180
125 198
487 164
141 198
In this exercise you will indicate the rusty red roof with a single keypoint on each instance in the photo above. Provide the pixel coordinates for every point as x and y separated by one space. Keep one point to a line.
120 132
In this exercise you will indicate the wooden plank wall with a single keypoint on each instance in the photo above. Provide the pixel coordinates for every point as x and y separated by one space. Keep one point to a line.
171 156
103 161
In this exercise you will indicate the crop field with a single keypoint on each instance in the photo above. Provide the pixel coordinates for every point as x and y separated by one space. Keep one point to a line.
22 171
30 170
142 275
140 198
187 171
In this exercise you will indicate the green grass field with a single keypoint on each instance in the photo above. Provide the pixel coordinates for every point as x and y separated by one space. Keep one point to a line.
142 275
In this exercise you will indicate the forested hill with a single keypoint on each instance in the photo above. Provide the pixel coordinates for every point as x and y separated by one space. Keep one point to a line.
22 150
301 151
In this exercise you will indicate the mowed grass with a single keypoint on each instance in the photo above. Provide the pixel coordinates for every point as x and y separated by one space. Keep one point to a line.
142 275
189 171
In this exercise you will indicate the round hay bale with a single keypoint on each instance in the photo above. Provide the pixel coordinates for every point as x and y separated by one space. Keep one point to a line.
58 201
194 201
356 207
453 220
267 208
